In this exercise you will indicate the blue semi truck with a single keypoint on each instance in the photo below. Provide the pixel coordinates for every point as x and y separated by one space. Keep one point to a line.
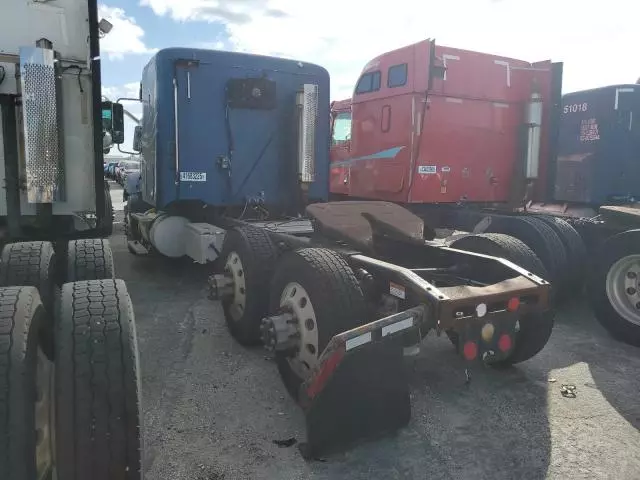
234 171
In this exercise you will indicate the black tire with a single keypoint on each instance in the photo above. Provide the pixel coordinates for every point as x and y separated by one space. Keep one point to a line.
134 204
98 418
535 329
21 317
89 259
334 292
574 246
30 264
544 242
615 248
105 229
33 264
258 257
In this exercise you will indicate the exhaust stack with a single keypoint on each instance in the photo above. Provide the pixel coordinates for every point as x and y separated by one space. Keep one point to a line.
307 106
41 116
534 131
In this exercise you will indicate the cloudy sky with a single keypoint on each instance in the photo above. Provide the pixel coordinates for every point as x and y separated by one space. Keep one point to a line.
592 38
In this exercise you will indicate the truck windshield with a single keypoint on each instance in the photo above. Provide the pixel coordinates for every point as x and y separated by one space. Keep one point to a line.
341 127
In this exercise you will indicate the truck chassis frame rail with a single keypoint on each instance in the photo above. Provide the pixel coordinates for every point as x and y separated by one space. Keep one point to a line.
345 370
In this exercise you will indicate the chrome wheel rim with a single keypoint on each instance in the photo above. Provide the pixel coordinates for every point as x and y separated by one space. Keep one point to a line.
234 267
296 300
623 288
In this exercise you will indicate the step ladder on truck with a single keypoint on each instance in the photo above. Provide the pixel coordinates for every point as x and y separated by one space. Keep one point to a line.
69 375
338 291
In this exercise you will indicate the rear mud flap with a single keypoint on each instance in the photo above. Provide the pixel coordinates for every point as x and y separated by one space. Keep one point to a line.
366 397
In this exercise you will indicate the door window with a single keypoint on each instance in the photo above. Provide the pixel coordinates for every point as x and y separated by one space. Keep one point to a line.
341 128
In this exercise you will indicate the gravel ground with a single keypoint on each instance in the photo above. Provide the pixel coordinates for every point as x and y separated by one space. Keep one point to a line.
212 409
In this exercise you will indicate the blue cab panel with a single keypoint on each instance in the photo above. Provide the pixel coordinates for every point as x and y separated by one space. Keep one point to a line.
237 128
599 146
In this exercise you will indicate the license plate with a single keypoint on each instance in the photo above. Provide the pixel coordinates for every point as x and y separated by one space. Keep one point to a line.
193 176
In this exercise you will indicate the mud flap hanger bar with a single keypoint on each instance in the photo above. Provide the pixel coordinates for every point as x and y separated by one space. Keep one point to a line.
445 301
359 388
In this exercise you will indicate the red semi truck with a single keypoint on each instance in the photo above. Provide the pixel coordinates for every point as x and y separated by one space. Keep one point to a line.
484 143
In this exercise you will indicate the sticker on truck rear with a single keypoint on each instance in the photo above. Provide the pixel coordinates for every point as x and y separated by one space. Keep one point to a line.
193 176
396 290
427 169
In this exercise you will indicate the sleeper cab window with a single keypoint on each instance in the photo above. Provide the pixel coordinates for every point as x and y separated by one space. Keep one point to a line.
397 76
369 82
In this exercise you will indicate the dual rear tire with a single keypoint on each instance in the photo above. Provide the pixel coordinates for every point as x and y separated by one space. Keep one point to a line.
534 329
316 283
557 245
69 376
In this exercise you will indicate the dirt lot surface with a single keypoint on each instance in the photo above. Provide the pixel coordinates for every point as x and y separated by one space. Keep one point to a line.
212 409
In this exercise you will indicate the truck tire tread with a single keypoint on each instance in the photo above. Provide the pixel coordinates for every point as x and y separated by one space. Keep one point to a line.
258 255
106 229
574 246
33 264
335 292
540 238
89 259
21 316
30 264
97 383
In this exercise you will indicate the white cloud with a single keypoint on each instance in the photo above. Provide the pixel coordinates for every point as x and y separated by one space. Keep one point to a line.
592 38
126 37
130 90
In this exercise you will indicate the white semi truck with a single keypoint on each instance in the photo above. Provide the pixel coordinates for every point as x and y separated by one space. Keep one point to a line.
69 375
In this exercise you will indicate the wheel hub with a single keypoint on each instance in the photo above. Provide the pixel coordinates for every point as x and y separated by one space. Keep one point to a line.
235 271
623 288
296 302
280 332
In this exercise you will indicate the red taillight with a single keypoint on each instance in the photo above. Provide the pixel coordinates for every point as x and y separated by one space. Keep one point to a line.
470 350
504 343
327 368
513 304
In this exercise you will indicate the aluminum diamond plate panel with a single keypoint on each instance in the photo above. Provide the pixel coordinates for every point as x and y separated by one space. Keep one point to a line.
40 116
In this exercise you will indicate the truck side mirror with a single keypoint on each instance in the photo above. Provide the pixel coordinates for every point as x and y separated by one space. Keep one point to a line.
113 121
137 138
